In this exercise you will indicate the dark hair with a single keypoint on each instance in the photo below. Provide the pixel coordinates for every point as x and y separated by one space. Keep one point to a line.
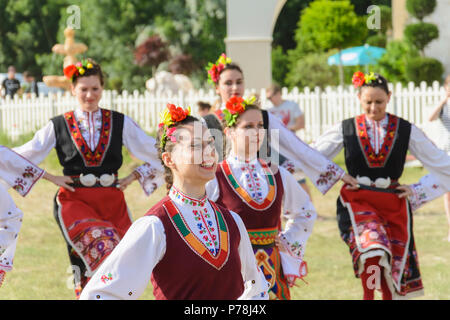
379 82
203 105
96 70
230 66
168 146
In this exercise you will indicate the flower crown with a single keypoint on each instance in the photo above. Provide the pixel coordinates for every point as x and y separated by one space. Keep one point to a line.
215 69
77 69
169 117
234 107
360 78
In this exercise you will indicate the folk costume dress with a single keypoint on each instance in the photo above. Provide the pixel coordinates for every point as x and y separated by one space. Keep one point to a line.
322 172
374 221
190 249
95 217
20 174
262 194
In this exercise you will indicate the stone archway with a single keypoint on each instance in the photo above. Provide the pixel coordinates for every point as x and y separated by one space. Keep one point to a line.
250 25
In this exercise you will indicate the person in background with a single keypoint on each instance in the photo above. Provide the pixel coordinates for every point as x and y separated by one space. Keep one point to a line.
30 85
10 84
293 118
204 108
442 112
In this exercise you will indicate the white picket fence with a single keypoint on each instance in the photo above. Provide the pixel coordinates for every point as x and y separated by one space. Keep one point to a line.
322 108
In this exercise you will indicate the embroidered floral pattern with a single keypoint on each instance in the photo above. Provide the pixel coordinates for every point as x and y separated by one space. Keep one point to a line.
253 182
91 158
295 248
264 203
25 181
187 200
95 244
217 260
328 177
105 278
206 229
373 159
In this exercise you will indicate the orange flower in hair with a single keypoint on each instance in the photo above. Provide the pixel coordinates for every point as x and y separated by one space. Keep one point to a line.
358 79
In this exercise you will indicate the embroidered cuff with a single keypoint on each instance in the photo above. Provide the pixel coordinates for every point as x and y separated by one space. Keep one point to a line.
419 196
24 182
329 178
294 248
146 176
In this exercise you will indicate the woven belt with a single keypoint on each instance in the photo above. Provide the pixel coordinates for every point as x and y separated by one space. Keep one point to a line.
263 237
91 181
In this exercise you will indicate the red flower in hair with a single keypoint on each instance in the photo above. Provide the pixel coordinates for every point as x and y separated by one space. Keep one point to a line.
70 70
358 79
177 114
235 105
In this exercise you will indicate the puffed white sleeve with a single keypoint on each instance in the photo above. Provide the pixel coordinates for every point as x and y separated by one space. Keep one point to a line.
126 272
255 285
301 215
17 172
38 148
428 188
331 142
143 147
322 172
435 160
212 189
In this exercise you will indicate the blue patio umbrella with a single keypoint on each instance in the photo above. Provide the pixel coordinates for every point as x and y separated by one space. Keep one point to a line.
363 55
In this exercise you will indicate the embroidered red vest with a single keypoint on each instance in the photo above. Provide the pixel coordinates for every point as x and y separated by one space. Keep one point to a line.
188 270
266 215
74 153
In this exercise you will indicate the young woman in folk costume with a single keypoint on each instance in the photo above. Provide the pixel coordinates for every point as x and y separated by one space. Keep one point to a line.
228 80
188 246
88 142
261 193
20 174
375 221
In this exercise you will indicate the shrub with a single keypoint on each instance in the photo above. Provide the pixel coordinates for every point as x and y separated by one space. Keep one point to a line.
424 69
420 8
420 34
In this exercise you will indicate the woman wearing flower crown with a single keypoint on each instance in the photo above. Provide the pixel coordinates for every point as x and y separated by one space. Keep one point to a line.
188 246
228 80
375 221
262 194
88 142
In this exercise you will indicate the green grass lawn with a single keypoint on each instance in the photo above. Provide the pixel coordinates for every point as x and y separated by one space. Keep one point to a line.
41 265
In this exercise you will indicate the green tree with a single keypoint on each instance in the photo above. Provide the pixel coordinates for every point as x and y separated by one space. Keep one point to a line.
393 63
420 8
311 71
327 24
27 28
421 34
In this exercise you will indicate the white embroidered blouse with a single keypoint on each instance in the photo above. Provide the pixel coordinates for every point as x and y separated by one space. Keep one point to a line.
128 268
436 161
297 207
141 145
21 175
